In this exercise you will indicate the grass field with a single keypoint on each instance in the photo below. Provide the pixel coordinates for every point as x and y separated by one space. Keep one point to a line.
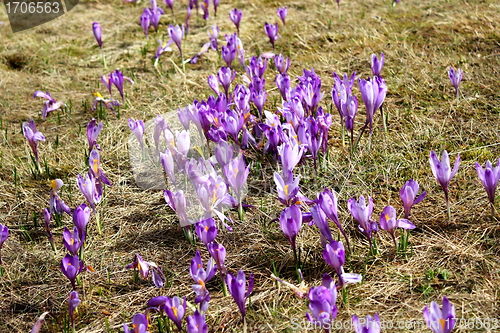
459 258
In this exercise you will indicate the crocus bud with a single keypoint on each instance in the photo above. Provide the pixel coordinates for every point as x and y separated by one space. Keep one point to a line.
97 30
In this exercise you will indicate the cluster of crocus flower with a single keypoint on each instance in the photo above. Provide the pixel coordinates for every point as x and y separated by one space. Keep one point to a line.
71 264
116 79
143 268
373 92
91 184
151 17
49 105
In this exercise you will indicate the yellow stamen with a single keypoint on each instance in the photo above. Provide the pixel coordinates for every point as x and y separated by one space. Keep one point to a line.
53 184
98 94
174 309
200 281
286 189
206 228
96 165
387 217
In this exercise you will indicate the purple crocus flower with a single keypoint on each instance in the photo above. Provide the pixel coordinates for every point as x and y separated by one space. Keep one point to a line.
322 301
188 17
455 78
440 321
89 189
95 168
139 324
106 80
282 12
489 177
283 84
206 230
213 35
4 234
282 64
155 13
236 173
175 310
177 202
290 155
228 54
33 136
46 217
162 47
443 173
167 161
93 130
389 222
170 4
140 265
97 30
197 323
118 79
341 89
377 64
71 266
373 92
109 103
49 105
361 213
370 325
334 255
272 32
213 83
349 110
145 21
57 205
236 286
81 217
205 6
226 76
201 276
71 240
290 224
176 34
137 127
327 202
216 4
319 218
408 194
218 252
288 190
145 267
235 16
73 302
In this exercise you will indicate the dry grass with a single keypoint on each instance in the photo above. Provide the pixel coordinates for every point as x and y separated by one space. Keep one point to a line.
420 39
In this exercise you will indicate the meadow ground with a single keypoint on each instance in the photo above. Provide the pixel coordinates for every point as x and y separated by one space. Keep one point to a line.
420 39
